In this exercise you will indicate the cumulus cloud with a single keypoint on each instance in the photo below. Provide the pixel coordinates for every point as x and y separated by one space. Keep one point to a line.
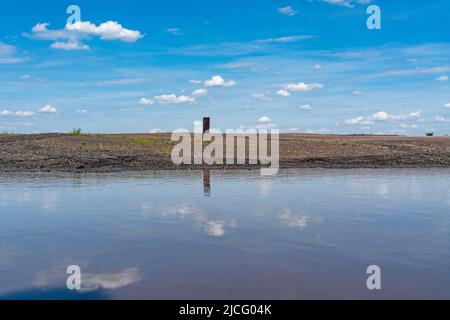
301 86
195 81
306 107
283 93
145 102
447 105
110 30
48 109
357 93
16 113
318 66
289 11
155 130
111 281
200 92
218 81
264 119
74 33
173 99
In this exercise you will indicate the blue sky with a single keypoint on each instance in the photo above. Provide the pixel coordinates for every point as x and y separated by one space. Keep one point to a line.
303 65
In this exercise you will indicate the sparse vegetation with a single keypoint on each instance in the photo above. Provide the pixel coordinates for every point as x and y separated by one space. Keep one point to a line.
79 133
429 134
140 141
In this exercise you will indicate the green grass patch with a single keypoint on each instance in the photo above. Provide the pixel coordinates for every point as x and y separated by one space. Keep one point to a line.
141 141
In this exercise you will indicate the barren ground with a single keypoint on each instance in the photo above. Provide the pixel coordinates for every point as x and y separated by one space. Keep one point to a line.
122 152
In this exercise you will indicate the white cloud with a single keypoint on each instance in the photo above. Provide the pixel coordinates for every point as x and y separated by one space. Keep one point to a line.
175 31
358 121
447 105
81 111
48 109
69 46
173 99
408 126
306 107
195 81
110 30
318 131
25 77
264 119
318 66
287 11
74 33
292 130
357 93
218 81
261 96
293 220
301 86
110 281
283 93
442 78
155 130
383 116
200 93
145 102
16 113
215 228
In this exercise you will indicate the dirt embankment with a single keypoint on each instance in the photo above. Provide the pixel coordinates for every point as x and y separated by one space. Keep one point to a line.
106 153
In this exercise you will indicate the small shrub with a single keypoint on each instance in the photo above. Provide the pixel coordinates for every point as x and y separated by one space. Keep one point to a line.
430 134
76 132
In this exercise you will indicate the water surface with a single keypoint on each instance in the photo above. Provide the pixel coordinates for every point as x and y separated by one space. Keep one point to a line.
226 235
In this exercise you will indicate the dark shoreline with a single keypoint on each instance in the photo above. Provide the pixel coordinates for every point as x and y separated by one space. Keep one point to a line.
142 152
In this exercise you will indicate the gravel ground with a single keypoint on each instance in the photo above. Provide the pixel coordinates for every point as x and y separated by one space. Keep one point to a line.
129 152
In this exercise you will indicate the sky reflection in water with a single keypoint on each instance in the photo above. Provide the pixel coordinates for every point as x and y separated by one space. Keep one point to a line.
302 234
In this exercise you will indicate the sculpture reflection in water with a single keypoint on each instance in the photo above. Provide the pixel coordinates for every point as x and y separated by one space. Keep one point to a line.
207 182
